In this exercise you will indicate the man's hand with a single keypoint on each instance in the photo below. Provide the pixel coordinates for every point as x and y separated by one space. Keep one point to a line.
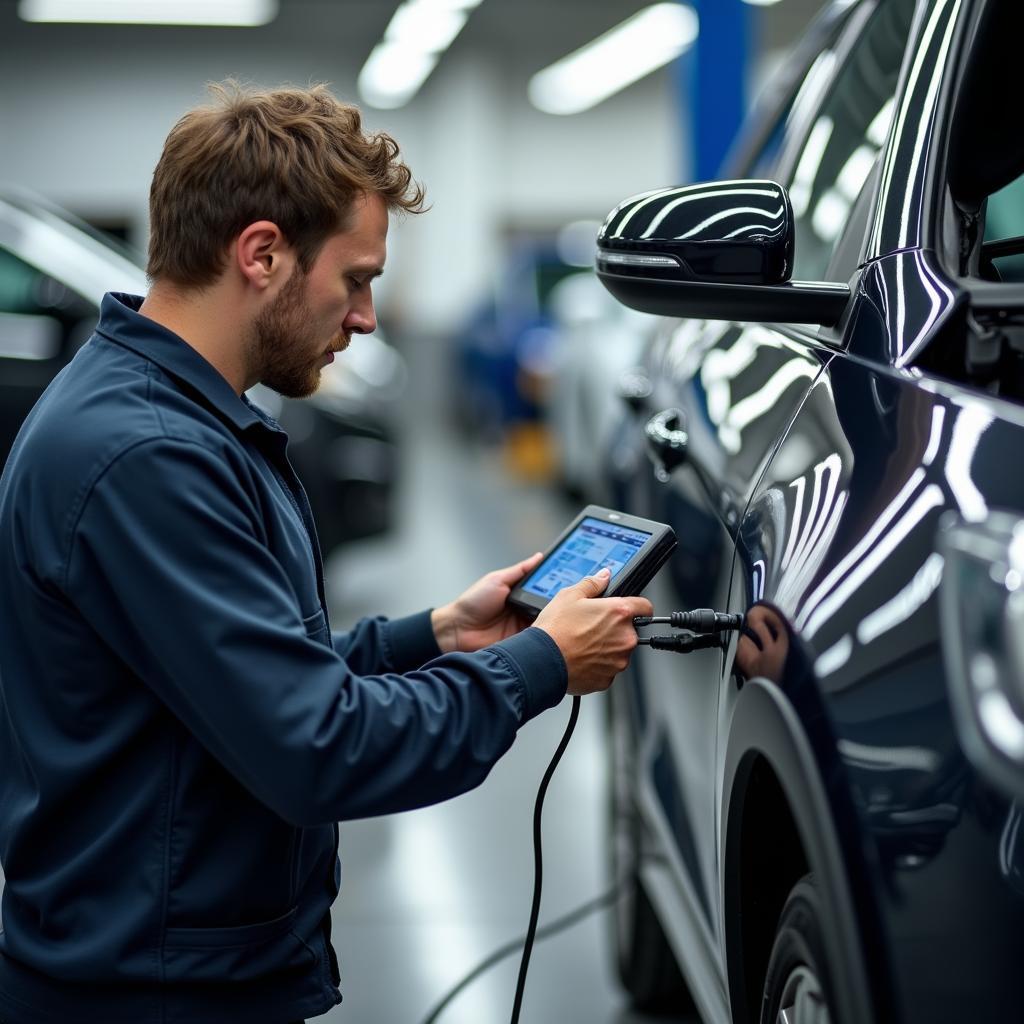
480 617
595 634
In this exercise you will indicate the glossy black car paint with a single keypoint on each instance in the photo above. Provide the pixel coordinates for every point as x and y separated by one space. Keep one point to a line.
723 231
818 464
708 241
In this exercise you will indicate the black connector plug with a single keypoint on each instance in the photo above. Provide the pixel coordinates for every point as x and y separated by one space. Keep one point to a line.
700 620
681 644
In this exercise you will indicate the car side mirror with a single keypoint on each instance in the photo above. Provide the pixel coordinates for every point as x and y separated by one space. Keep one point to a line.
720 250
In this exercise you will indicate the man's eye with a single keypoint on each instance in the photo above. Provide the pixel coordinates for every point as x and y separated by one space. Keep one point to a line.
356 282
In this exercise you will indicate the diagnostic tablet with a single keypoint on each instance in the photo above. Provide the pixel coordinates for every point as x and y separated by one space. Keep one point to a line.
633 548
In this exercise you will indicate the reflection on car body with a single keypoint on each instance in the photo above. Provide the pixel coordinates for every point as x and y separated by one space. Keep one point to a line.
823 824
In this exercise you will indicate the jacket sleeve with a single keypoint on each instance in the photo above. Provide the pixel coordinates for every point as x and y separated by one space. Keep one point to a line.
388 645
167 563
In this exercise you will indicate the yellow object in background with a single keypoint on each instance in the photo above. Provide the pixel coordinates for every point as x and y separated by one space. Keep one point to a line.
528 451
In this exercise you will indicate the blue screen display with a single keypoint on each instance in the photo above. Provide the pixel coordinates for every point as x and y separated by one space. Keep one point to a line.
593 545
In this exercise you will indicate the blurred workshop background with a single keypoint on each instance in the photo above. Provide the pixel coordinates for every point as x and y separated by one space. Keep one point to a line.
464 433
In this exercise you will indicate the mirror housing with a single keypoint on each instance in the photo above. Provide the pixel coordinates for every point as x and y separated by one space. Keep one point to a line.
719 250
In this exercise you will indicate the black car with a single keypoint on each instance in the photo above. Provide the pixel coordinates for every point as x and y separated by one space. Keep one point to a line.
54 271
826 829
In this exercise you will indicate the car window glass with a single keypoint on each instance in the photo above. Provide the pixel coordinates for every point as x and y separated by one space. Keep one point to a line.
846 137
38 315
1004 218
765 161
804 98
19 285
846 254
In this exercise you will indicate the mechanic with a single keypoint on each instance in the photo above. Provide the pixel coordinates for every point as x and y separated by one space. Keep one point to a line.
180 728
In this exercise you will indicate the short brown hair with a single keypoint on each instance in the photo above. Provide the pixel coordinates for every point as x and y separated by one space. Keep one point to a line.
297 157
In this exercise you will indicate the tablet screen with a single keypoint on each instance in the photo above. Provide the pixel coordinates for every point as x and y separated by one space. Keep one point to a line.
593 545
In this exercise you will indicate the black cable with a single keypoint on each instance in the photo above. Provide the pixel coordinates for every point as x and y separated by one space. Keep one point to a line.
713 623
681 644
538 862
699 620
551 928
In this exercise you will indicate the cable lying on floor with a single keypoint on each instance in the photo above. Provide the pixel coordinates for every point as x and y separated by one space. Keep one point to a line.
526 942
559 924
538 860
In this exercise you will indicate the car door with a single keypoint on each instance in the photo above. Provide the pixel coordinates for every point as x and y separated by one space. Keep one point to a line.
733 389
831 170
911 423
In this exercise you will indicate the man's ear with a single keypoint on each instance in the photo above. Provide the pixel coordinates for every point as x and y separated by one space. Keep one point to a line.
262 255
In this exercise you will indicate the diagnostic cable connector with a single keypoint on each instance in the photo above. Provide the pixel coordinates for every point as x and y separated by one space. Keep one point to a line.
700 620
682 643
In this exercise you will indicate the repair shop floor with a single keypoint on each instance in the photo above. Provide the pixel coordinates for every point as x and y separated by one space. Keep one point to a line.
428 894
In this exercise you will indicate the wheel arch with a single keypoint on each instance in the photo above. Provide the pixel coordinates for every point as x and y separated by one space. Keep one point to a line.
775 801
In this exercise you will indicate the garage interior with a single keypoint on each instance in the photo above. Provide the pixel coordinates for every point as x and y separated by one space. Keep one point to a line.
84 109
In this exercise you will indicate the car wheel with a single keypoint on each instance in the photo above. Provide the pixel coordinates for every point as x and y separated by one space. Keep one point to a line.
646 964
797 987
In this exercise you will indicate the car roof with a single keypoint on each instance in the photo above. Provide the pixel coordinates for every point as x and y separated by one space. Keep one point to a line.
58 244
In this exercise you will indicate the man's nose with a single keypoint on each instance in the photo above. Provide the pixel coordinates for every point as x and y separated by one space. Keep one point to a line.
362 318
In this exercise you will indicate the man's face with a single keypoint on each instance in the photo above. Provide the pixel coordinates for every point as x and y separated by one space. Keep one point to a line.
316 313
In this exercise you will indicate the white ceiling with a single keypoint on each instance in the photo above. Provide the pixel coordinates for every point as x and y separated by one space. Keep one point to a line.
524 34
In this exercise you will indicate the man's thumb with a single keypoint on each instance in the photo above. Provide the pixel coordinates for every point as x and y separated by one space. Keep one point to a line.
594 585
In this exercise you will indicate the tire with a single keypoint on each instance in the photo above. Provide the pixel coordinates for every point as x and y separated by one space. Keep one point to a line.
797 986
645 963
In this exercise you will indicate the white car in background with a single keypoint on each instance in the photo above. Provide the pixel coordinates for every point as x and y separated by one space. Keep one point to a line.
600 341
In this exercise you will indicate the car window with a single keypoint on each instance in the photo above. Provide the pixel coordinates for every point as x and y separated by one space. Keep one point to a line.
28 329
846 137
804 98
1004 218
19 285
39 316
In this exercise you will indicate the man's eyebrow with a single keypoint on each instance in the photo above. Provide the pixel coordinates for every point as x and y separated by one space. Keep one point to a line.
373 270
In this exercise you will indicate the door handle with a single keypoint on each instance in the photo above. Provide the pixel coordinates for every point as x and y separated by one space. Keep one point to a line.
667 441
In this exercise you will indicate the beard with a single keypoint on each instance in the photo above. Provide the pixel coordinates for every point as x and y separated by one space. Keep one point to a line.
284 346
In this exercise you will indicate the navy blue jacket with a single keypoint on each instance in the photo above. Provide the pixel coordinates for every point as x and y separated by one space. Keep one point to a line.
179 728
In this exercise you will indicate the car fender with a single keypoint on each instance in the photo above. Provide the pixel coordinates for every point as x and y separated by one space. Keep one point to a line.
766 727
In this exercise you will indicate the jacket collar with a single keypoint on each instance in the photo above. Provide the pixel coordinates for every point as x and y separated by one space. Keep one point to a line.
122 323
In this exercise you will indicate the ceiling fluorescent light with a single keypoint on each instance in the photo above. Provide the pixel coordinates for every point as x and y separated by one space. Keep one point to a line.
446 5
643 43
418 33
243 13
761 3
425 26
393 74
